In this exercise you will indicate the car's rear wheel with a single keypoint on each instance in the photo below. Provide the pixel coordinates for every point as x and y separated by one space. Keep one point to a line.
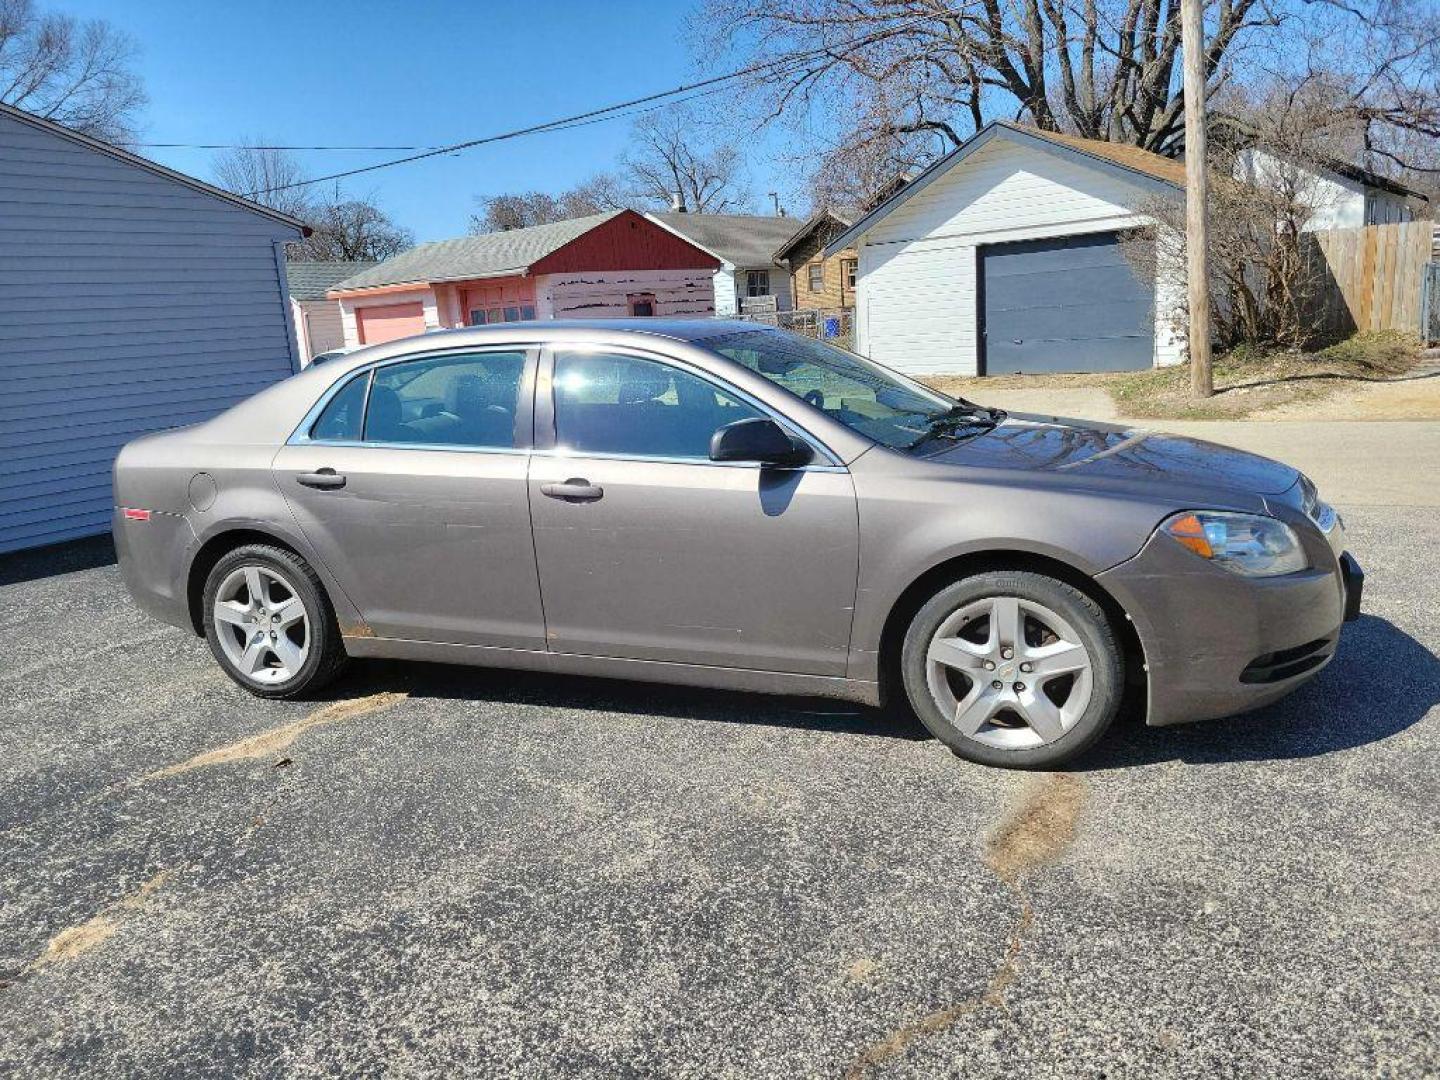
269 622
1013 668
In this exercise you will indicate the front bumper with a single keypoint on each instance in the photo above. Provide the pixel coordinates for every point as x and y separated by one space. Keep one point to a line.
1353 579
1216 643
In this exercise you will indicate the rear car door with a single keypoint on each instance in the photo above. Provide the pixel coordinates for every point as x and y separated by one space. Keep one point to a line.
649 550
410 482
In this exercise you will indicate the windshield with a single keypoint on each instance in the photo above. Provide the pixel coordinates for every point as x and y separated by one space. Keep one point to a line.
872 400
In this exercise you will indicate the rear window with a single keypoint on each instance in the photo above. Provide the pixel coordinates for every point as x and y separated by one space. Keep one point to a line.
342 417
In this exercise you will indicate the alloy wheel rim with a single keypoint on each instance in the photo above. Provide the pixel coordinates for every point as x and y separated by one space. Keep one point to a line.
1009 673
262 624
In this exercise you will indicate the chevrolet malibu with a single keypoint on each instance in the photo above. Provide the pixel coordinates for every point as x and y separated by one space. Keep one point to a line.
721 504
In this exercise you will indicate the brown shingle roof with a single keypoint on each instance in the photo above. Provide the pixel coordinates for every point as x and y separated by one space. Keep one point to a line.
1131 157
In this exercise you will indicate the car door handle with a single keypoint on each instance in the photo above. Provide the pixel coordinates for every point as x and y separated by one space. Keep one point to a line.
573 490
324 479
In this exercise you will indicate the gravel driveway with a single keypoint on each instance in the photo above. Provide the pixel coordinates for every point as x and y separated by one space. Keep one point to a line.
446 870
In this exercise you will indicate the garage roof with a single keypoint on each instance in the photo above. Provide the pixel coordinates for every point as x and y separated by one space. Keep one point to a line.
487 255
1129 162
310 280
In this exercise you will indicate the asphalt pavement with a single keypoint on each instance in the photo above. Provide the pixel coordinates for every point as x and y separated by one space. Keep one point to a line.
447 871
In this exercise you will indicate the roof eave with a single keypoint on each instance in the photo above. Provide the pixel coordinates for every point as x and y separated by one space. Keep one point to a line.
102 147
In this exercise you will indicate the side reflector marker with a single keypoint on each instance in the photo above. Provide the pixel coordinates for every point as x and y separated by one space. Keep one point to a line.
133 514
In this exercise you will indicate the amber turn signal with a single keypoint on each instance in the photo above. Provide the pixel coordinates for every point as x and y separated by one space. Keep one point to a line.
1188 531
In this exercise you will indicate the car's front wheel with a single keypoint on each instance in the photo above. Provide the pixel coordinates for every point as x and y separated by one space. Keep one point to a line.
269 622
1013 668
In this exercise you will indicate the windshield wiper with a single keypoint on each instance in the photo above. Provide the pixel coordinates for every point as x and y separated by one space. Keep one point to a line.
961 422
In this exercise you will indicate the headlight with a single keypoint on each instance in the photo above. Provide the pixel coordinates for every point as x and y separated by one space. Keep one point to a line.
1249 544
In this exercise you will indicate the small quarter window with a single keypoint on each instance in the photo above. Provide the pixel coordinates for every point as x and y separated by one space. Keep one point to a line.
341 419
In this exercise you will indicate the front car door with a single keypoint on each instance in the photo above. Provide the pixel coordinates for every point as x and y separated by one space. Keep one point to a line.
410 482
649 550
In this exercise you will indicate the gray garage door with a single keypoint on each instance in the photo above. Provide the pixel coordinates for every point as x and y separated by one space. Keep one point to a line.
1067 304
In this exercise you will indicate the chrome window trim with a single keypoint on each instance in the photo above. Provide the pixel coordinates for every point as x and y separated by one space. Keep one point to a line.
562 453
301 435
451 448
639 351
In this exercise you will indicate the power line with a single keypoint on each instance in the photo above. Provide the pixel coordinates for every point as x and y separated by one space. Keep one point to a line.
777 66
253 146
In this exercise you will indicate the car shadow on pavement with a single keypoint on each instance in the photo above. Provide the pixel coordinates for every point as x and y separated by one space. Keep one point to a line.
56 559
1381 682
548 690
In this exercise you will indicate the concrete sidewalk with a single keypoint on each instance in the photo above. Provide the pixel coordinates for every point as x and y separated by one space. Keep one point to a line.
1359 462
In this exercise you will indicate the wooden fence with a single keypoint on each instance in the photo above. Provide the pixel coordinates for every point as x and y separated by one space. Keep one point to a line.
1374 276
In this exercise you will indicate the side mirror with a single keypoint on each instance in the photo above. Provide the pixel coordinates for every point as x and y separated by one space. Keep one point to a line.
759 439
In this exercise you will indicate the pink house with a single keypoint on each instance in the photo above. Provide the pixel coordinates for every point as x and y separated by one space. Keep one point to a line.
605 265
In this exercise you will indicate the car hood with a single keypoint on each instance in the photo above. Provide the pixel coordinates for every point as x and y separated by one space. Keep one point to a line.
1085 449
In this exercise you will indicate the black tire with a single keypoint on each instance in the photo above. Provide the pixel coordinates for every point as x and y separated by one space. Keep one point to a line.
1083 614
326 652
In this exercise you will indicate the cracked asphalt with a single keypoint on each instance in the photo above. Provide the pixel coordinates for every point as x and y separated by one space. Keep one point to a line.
462 871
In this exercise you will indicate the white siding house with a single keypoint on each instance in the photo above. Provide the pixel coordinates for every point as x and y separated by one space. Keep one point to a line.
1036 216
132 298
1342 197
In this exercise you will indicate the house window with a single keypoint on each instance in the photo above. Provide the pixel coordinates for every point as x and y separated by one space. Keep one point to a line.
527 312
477 317
641 304
757 283
847 272
817 276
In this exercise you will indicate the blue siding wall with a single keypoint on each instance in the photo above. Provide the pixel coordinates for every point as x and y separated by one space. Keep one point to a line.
129 302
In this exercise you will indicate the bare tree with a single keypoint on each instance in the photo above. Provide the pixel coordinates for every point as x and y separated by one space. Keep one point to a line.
350 230
271 177
80 74
519 210
1268 159
669 156
898 81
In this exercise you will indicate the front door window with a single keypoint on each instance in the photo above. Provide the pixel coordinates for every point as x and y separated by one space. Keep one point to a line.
618 404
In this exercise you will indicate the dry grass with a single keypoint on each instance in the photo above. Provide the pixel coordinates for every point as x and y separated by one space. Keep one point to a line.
1251 380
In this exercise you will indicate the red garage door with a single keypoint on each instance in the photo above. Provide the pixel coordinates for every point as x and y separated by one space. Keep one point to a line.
386 322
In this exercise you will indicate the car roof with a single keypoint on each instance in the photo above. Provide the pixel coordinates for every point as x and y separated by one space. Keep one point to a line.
606 331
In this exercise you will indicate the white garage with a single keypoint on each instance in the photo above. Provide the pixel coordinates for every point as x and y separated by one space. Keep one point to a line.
1005 256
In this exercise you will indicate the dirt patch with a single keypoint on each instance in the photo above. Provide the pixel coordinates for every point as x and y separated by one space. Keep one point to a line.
77 940
277 739
861 970
1037 832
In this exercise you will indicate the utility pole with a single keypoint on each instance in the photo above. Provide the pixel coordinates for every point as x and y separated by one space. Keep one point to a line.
1192 43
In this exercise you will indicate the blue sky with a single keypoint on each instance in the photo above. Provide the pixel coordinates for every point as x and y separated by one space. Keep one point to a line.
372 72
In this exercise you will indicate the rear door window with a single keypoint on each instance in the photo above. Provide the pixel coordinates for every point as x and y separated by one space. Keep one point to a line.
468 401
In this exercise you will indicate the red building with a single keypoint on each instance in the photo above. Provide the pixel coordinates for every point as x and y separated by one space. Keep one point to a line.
605 265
